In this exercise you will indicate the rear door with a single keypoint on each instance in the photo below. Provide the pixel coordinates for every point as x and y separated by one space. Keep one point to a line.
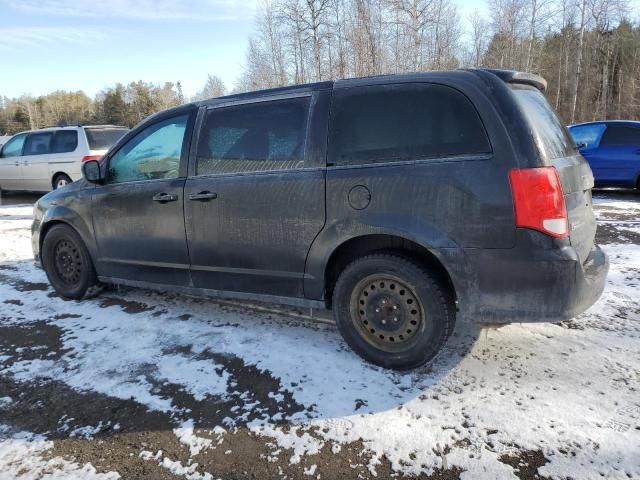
255 199
138 216
35 161
619 153
11 163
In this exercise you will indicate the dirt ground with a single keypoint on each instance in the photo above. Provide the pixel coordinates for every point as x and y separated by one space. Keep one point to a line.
136 384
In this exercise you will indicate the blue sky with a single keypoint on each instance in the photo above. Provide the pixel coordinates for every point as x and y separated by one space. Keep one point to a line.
46 45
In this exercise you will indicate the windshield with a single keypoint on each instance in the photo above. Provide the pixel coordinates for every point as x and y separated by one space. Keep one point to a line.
551 136
103 138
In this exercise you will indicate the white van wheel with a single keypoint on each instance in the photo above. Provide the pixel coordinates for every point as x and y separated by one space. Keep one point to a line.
60 181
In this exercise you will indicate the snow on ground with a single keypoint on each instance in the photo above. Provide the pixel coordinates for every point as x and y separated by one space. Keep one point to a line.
569 391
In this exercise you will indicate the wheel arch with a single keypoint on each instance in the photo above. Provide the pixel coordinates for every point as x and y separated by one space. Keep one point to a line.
363 245
64 216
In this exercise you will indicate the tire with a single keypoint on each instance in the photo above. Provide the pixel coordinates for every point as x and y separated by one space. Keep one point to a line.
68 264
61 180
369 294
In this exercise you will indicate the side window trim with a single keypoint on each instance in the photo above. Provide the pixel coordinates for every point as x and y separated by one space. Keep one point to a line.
132 134
200 124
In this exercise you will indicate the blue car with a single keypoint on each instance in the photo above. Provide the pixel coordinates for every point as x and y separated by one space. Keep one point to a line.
612 148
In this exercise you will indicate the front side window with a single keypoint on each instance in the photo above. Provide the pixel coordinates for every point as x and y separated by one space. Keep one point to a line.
38 144
153 153
65 141
13 148
621 135
253 137
403 122
587 136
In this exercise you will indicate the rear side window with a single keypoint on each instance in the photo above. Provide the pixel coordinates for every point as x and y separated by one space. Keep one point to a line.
38 143
103 138
551 136
587 136
65 141
13 148
621 135
254 137
403 122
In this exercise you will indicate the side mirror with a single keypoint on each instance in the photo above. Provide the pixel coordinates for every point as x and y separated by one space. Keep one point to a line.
91 171
580 145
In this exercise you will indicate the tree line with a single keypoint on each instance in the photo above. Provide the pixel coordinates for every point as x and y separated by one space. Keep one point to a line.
120 105
588 50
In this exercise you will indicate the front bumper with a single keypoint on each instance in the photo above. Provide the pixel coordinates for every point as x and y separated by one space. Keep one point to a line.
531 284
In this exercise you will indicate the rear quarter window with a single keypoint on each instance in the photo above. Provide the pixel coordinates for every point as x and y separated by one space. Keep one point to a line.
387 123
550 135
103 138
65 141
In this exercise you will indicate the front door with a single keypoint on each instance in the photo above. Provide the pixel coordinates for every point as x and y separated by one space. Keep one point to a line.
256 199
11 163
138 213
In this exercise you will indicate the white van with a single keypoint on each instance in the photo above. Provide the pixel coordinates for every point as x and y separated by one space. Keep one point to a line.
49 158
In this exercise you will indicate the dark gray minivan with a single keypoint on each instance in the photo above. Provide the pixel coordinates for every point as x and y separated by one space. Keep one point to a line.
399 202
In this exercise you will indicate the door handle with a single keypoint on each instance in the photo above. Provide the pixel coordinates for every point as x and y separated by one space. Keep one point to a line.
17 164
164 197
203 196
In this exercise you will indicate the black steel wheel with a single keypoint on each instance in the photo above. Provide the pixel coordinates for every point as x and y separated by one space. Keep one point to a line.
391 311
67 263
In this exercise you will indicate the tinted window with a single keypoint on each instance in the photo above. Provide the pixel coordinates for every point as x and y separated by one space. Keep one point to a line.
404 122
254 137
65 141
103 138
13 148
153 153
621 135
587 136
38 143
550 135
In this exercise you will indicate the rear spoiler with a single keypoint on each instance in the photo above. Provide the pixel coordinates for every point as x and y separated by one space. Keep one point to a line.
522 78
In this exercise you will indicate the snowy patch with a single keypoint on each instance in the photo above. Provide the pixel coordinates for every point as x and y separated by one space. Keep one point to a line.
568 390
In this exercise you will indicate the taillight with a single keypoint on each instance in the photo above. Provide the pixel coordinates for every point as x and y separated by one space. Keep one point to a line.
539 200
87 158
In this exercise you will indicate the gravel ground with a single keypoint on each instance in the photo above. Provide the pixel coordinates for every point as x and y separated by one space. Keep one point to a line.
135 384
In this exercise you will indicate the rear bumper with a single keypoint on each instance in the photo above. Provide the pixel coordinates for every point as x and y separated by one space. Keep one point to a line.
540 281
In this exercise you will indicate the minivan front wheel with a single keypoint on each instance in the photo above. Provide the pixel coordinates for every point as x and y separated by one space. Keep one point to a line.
68 264
391 311
61 180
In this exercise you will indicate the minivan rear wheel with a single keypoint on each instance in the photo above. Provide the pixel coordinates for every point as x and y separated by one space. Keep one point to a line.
68 264
391 311
61 180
